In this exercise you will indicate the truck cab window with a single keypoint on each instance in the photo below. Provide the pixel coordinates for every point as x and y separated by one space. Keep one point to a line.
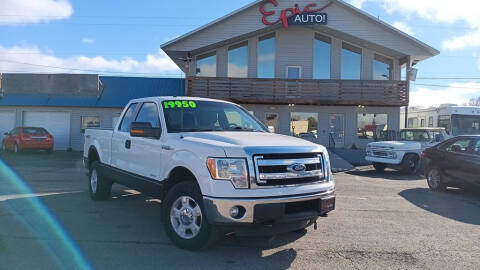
149 114
128 118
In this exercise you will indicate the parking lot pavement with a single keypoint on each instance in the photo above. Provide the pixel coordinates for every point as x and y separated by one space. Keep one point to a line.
382 221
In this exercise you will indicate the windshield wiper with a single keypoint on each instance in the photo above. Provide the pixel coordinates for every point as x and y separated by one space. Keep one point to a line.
200 130
245 129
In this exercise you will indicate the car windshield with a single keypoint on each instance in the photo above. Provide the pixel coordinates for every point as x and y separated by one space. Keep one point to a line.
414 135
203 116
34 131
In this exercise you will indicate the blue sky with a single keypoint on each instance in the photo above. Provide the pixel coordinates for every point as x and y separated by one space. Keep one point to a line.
123 37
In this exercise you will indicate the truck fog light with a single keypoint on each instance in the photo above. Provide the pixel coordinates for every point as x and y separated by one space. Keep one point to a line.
237 212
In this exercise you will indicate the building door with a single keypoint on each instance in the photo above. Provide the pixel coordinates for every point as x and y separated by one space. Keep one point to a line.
56 123
337 129
7 122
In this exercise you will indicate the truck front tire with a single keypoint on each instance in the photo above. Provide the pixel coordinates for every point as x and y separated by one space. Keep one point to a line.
411 164
99 187
185 219
379 167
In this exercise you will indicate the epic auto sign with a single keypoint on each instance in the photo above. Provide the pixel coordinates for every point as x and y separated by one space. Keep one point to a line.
294 16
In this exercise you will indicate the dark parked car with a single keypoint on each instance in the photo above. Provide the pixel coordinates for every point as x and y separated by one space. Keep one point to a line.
454 163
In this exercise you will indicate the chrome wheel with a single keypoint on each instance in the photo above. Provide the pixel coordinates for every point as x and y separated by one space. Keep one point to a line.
94 181
433 179
186 217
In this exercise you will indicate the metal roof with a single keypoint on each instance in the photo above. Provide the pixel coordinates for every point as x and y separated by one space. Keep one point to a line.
115 92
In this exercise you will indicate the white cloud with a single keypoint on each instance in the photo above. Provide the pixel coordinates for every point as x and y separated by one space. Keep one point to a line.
440 11
471 39
13 12
27 58
87 40
457 93
404 27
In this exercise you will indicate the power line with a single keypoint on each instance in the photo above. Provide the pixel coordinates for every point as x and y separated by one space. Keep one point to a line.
447 86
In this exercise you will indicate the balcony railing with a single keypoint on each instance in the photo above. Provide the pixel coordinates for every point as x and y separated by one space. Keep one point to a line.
306 92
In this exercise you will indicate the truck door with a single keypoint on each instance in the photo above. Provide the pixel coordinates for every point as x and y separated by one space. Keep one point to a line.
146 152
122 142
472 165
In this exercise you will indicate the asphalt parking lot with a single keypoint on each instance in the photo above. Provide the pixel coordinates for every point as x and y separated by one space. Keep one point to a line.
382 221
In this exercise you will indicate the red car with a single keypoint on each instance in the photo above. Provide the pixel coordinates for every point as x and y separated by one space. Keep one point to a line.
27 138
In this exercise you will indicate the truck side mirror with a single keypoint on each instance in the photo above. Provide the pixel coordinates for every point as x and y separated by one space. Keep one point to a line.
6 133
438 138
144 130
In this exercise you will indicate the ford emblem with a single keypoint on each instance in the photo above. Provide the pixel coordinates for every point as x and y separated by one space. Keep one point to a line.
297 167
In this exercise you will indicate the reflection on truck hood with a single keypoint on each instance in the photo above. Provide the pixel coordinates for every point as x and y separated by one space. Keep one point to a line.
247 139
397 145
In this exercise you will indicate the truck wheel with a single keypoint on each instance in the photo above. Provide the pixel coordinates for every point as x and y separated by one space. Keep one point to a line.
434 180
411 164
380 167
99 187
184 217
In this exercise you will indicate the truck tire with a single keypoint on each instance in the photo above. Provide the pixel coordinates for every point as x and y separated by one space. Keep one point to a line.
99 187
379 167
184 217
434 180
410 164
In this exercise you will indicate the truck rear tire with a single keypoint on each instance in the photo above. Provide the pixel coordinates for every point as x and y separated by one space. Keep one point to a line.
411 164
185 219
99 187
379 167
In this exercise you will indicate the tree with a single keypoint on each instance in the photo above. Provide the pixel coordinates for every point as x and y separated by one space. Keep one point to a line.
473 102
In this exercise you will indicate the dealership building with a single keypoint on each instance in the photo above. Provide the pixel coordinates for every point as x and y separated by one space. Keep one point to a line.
66 104
320 70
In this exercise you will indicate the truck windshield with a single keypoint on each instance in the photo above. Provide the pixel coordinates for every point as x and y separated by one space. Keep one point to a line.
204 116
465 125
414 135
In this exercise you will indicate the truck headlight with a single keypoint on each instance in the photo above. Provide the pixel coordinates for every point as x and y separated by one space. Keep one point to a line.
229 169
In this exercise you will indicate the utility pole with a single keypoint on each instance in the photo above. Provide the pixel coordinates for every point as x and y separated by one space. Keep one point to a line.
409 67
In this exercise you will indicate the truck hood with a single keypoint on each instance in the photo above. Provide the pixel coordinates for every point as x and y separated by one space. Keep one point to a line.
249 141
397 145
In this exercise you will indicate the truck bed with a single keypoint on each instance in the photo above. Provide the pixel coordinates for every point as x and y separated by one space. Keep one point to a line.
102 140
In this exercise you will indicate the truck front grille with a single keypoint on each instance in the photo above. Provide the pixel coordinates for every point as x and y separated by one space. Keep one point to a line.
288 169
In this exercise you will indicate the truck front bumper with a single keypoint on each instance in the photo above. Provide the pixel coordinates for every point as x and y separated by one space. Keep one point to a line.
306 207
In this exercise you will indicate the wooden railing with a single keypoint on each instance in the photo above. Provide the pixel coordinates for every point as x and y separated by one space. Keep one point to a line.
306 92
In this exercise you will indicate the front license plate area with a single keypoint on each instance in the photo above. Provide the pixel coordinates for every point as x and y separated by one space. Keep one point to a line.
327 204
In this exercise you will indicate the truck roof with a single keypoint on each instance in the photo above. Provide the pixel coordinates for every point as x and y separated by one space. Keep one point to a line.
426 128
163 98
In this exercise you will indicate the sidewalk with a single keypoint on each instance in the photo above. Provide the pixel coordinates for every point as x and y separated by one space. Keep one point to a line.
339 164
354 157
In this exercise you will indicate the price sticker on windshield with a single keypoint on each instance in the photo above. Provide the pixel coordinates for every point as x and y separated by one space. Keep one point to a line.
179 104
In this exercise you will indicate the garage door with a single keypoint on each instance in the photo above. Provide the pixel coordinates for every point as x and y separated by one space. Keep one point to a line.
7 122
57 124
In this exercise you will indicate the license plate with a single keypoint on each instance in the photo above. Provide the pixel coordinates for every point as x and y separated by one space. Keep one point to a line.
327 204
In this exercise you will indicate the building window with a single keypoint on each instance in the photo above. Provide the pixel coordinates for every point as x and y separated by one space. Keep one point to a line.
271 121
412 122
422 122
321 57
371 125
89 122
266 57
430 121
351 62
207 65
294 73
304 125
238 60
445 122
382 68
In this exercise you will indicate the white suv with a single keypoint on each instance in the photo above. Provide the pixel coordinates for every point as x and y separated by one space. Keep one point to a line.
405 153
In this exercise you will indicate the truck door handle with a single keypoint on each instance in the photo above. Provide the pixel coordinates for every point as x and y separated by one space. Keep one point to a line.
167 147
128 144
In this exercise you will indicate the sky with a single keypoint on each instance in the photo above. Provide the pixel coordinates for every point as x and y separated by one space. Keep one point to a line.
123 38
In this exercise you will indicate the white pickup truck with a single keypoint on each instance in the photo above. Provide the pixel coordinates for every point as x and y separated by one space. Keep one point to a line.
404 154
215 167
